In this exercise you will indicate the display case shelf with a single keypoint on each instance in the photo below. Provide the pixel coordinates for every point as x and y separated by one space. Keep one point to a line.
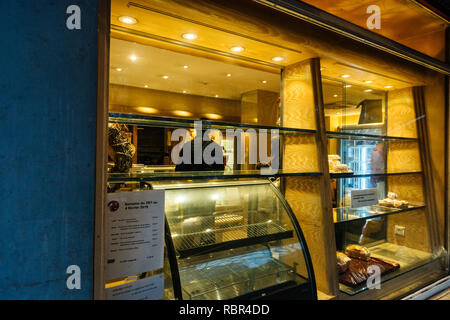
365 136
241 275
214 238
201 175
169 122
350 175
409 259
347 214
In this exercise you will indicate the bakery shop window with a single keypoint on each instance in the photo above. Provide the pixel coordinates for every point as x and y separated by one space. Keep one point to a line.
375 175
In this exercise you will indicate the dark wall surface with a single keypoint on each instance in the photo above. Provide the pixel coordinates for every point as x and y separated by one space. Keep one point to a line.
48 91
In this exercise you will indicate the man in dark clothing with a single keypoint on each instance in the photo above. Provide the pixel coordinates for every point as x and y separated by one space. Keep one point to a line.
203 166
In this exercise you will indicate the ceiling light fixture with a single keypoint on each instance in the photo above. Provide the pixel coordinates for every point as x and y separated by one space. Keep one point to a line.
335 95
186 66
368 90
182 113
133 58
228 75
348 85
119 69
277 59
387 87
264 81
368 81
189 36
345 76
165 77
237 49
127 20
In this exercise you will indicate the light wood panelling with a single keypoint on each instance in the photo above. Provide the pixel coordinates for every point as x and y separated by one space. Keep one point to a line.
403 156
397 18
401 114
275 29
408 187
300 153
416 230
298 97
260 107
304 197
435 106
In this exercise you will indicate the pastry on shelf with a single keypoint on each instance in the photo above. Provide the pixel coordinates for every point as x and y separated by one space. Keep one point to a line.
336 166
358 252
343 261
392 201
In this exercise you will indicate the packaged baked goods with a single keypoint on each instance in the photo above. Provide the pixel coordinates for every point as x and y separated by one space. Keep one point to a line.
343 261
357 252
392 196
401 204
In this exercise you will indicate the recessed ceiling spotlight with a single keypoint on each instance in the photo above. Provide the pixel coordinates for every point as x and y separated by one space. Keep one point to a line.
335 95
119 69
345 76
277 59
368 81
165 77
213 116
387 87
348 85
184 91
264 81
182 113
237 49
146 86
368 90
228 75
133 58
189 36
186 67
216 95
127 20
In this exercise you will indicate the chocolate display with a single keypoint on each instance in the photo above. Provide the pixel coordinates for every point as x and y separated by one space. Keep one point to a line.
122 148
343 261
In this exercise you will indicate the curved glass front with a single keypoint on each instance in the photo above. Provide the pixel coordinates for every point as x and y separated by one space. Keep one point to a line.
233 239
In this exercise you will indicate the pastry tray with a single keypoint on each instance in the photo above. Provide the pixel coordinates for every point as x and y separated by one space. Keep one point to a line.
357 271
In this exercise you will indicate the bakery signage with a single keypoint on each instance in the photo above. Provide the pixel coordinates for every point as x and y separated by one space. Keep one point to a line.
134 233
362 198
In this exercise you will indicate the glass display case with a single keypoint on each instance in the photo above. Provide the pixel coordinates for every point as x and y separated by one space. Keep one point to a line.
230 239
235 239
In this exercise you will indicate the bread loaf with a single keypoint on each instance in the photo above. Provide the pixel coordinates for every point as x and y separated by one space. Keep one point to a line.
358 252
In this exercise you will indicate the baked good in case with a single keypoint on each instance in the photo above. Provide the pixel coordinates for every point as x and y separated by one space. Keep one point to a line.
358 252
343 261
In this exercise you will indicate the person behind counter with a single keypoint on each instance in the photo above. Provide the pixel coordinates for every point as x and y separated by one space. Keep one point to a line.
199 216
203 166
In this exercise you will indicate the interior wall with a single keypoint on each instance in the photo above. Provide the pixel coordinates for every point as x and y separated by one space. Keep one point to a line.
163 103
435 108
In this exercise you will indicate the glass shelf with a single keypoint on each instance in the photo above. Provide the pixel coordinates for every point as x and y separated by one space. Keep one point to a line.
224 231
168 122
346 214
201 175
370 174
409 259
365 136
242 274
